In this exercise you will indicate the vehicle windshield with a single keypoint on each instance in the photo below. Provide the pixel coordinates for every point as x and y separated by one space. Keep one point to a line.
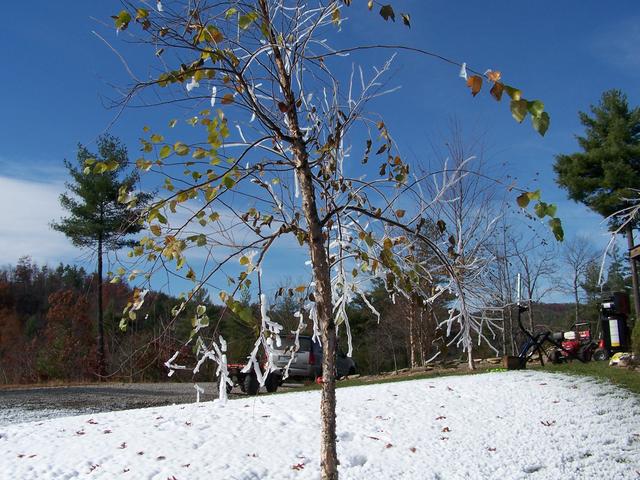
288 343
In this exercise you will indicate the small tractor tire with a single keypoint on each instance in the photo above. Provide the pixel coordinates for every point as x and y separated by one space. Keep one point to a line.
600 355
251 384
272 382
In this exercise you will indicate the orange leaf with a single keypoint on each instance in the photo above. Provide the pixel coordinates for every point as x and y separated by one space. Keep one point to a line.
475 84
496 90
227 99
494 76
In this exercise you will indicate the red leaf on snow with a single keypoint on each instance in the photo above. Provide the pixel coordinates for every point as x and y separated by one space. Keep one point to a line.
548 423
441 417
161 457
413 449
298 466
446 429
388 445
92 421
491 449
107 431
444 438
123 445
374 438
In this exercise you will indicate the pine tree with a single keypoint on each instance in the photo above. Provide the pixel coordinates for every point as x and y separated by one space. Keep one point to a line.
603 175
96 219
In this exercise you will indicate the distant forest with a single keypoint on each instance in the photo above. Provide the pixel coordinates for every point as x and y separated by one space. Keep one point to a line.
48 329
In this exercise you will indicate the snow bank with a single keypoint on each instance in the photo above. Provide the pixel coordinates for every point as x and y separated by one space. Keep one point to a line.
515 425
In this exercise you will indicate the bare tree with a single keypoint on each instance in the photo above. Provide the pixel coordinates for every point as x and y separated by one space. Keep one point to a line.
468 217
577 255
537 264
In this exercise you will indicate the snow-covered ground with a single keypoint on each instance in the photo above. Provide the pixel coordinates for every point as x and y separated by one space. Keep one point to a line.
515 425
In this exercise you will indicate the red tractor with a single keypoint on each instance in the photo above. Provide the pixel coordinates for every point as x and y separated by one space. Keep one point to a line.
576 343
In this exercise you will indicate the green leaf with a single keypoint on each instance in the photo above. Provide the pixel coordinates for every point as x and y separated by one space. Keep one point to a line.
536 107
122 20
556 228
165 152
228 182
541 123
123 325
181 149
519 110
387 12
244 260
523 200
230 12
552 209
540 209
201 310
199 153
246 20
156 138
514 93
535 195
201 240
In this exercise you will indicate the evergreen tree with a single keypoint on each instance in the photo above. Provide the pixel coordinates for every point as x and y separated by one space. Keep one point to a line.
607 169
96 219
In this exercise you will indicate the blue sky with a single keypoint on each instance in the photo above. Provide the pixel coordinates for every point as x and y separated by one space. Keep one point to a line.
58 76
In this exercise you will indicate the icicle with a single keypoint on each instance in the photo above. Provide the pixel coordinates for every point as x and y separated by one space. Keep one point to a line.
463 71
199 390
192 84
214 90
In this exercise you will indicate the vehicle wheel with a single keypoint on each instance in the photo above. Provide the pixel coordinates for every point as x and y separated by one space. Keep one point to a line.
251 385
585 353
272 382
600 355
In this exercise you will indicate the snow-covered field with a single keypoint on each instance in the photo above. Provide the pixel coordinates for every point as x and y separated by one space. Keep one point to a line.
515 425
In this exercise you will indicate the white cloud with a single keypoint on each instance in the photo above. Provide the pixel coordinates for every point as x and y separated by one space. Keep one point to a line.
26 210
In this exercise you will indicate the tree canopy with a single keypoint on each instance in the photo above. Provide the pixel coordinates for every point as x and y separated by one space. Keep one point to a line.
92 200
604 174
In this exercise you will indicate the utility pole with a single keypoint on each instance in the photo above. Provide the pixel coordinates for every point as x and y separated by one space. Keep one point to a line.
634 252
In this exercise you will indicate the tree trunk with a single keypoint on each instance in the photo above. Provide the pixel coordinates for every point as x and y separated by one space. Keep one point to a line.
634 274
470 363
575 294
101 357
413 334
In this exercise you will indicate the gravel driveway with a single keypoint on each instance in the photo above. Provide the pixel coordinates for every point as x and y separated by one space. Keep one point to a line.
32 404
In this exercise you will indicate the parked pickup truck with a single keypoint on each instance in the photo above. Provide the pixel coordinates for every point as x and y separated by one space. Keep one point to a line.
306 365
307 360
